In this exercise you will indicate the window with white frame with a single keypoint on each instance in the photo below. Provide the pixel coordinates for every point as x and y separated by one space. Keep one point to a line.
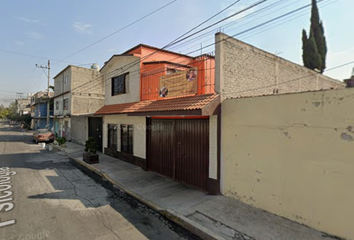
65 80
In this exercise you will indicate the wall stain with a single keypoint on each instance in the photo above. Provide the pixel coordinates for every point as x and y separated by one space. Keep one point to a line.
347 137
350 128
287 134
316 104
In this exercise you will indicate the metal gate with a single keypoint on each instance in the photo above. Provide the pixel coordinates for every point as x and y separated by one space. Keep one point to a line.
95 130
179 149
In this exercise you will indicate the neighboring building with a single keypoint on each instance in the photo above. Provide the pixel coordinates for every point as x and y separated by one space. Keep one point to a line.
39 103
245 71
161 113
78 93
23 105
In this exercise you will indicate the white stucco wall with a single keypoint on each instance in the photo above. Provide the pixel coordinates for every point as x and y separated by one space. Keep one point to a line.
292 155
118 66
139 135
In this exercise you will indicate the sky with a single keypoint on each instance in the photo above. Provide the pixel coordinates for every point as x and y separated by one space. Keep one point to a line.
34 32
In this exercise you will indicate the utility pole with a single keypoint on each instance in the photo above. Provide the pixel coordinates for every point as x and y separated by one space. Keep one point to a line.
48 101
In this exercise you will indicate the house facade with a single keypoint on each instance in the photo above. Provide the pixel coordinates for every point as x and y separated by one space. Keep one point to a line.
39 110
163 109
78 93
23 105
161 113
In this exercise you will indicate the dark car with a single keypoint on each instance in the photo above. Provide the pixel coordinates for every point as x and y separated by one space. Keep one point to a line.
43 135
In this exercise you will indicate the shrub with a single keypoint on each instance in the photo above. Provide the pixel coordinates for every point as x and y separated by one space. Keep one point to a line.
91 146
61 140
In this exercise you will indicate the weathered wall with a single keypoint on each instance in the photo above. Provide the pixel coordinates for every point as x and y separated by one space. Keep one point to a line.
60 111
87 90
119 65
79 132
139 135
59 86
243 70
292 155
213 147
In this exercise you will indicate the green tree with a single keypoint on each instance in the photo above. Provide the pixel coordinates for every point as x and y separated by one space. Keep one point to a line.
315 45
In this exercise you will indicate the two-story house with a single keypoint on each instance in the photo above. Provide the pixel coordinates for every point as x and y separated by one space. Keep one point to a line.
161 113
78 93
39 102
163 109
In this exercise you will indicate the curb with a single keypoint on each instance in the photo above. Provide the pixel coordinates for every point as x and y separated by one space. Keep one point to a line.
173 216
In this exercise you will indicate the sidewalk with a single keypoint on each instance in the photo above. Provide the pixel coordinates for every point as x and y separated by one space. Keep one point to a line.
209 217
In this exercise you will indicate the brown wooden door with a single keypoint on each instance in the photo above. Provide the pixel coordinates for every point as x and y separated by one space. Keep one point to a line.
179 148
192 152
161 152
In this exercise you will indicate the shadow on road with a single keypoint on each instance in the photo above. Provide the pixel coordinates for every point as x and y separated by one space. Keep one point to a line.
70 183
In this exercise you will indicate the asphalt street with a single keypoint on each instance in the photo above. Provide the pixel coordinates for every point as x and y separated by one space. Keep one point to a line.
43 196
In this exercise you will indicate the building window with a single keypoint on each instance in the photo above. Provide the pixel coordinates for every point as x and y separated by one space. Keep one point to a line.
112 136
66 104
171 70
57 105
126 134
65 80
118 84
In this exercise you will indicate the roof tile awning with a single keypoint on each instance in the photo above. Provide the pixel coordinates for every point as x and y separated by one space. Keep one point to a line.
203 105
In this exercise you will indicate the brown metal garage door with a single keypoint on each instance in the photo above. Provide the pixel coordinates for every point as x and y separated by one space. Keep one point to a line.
179 149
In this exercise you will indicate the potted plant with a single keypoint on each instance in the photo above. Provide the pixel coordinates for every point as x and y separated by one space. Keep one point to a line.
61 141
90 155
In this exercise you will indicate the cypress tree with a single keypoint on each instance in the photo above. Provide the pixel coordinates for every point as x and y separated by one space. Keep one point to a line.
314 47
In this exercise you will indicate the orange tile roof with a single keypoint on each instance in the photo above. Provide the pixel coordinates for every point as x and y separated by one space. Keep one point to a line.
196 102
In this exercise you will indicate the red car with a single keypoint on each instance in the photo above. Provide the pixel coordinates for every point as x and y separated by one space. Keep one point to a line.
43 135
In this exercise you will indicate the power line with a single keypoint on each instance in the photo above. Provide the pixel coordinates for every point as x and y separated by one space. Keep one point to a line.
34 56
178 39
129 65
119 30
245 31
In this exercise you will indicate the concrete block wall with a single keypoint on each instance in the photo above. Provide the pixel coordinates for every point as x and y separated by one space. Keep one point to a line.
86 88
244 70
59 86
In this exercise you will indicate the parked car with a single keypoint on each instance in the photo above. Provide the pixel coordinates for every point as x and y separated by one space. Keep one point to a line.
43 135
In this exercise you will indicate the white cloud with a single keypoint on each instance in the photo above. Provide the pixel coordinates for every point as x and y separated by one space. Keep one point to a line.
112 50
19 42
35 35
29 20
81 27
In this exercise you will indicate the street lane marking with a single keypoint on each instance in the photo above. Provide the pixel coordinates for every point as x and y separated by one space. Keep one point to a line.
6 203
